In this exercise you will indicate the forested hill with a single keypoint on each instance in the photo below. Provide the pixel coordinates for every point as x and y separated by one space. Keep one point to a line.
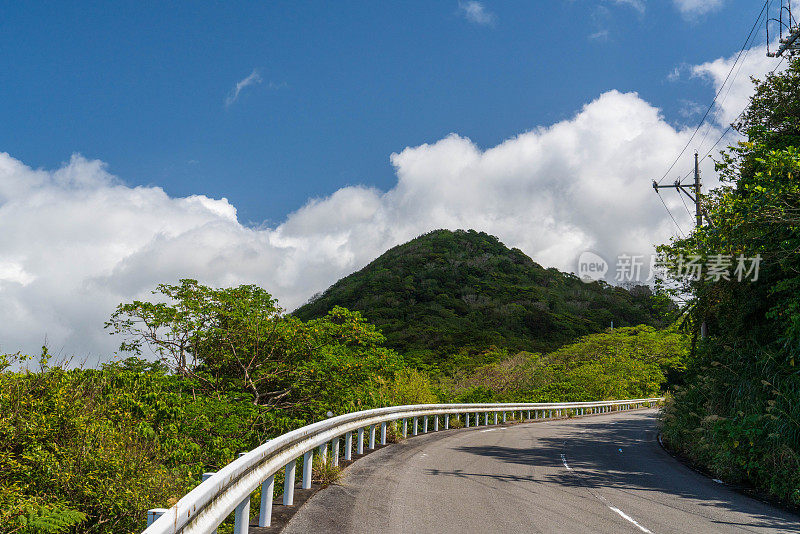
447 293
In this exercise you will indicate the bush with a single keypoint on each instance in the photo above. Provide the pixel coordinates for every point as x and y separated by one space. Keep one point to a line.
325 473
408 386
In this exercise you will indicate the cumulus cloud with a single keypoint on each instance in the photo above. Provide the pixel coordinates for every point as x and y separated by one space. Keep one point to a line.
693 8
475 12
736 93
252 79
77 241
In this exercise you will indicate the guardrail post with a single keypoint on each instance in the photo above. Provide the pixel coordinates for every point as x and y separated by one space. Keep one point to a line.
241 517
486 418
155 513
416 426
241 514
335 452
265 512
383 433
504 417
425 424
405 427
308 457
288 483
323 453
495 417
435 423
447 421
466 420
360 444
372 437
348 446
529 414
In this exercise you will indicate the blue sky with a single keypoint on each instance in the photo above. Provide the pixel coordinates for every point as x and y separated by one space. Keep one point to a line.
343 84
287 144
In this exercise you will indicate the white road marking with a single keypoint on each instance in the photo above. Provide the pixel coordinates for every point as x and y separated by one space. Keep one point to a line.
718 481
489 430
622 514
564 459
626 517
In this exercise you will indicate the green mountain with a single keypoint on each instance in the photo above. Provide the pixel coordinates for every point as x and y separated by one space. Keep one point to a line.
446 297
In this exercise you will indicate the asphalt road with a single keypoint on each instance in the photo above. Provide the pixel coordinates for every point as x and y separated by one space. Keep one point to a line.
600 474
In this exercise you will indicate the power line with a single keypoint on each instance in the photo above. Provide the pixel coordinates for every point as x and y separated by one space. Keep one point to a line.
719 91
670 214
730 126
733 80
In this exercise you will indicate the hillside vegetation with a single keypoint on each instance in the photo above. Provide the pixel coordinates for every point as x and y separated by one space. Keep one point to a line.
445 297
739 412
623 363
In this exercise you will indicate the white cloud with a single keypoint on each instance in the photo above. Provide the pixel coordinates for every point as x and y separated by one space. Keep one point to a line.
690 108
601 35
77 241
252 79
693 8
736 93
475 12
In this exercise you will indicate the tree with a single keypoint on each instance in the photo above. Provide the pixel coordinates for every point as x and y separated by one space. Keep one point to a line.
739 413
237 339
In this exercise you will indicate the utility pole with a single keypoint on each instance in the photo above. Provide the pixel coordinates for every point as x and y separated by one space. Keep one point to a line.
698 207
696 198
789 45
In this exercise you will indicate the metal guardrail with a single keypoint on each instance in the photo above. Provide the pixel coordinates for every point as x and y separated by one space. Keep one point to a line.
228 490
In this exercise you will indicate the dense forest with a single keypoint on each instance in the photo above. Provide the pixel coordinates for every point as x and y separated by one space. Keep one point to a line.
445 297
738 413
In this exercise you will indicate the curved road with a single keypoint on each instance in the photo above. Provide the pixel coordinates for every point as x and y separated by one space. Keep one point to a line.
600 474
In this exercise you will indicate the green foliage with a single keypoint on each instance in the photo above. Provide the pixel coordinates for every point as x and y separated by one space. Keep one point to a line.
739 413
408 386
111 443
325 473
61 441
446 298
46 519
621 363
237 340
